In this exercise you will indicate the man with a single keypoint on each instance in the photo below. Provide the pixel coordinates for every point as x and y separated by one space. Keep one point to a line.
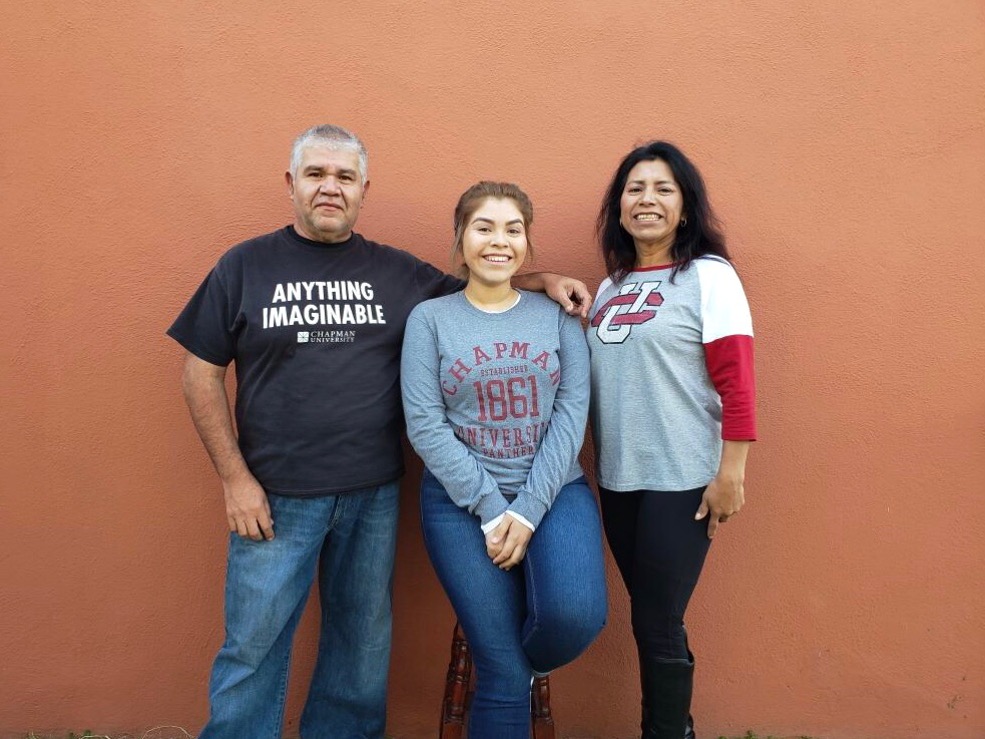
313 317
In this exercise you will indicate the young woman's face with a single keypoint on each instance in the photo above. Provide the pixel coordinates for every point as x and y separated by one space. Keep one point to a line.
494 243
651 205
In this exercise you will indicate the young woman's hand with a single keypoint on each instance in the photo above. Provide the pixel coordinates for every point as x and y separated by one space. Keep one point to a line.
506 544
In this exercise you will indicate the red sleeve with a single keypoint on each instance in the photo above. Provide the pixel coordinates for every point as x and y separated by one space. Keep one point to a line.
730 365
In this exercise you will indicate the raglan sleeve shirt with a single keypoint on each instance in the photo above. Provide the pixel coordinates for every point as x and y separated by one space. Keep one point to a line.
726 333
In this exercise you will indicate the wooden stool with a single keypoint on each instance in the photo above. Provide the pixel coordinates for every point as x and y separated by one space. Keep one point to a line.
459 690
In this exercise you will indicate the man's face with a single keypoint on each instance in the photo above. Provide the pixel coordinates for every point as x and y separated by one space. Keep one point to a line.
328 192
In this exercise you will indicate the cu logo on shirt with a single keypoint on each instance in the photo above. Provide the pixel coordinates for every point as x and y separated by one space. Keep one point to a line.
636 303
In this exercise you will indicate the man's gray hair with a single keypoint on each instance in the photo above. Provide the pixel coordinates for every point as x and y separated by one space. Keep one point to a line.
334 137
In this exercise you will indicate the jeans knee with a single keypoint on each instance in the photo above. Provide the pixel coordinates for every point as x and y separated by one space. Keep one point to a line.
582 628
560 634
372 635
581 613
250 646
503 681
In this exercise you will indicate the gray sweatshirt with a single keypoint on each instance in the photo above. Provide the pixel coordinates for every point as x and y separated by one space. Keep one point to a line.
496 403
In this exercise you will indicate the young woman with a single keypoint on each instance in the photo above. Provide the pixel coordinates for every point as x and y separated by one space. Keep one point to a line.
672 406
495 386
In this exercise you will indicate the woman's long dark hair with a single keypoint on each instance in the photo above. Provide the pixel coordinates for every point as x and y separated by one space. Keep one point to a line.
701 236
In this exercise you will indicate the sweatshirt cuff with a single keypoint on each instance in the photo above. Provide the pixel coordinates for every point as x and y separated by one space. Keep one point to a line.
490 506
528 510
487 527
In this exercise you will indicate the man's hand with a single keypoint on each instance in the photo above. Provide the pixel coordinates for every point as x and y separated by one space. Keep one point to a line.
247 508
569 293
506 544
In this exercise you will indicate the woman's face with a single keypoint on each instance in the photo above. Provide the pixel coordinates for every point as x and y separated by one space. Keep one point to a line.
651 205
494 243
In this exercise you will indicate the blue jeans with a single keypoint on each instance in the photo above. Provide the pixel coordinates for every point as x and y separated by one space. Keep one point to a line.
533 618
349 540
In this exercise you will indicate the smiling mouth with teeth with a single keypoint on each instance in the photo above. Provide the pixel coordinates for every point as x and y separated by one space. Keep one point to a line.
496 259
646 217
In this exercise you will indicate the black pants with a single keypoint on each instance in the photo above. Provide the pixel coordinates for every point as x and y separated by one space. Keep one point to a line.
660 550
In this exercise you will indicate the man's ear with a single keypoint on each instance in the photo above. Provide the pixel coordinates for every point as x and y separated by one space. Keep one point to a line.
289 180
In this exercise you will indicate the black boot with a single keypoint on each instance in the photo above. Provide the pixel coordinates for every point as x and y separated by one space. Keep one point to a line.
689 730
667 686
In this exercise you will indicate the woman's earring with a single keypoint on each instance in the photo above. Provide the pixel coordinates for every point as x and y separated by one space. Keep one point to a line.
683 222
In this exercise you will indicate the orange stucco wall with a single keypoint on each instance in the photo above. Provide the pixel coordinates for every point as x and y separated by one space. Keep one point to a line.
844 146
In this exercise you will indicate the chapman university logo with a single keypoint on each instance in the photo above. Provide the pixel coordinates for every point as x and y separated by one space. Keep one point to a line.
326 337
636 303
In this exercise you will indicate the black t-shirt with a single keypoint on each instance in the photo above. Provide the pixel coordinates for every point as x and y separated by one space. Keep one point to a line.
315 331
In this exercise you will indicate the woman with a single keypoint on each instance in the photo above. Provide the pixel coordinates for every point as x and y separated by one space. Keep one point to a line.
495 387
672 406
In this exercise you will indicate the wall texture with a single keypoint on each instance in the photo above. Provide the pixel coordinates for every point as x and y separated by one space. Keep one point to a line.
844 146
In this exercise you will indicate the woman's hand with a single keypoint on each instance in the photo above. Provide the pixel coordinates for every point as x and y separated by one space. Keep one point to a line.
725 495
722 498
506 544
